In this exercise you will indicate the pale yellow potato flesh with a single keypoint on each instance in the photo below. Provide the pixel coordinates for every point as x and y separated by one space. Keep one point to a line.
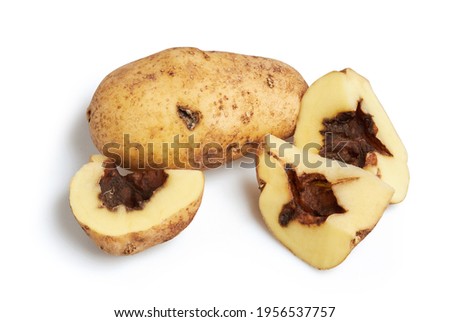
122 232
363 195
338 92
236 99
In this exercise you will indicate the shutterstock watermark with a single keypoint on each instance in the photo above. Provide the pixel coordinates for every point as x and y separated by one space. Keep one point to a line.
189 153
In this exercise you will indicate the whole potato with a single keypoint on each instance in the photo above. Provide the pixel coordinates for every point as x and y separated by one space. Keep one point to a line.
186 108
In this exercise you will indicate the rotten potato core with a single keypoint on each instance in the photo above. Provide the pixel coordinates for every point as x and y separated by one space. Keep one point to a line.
351 137
313 199
131 190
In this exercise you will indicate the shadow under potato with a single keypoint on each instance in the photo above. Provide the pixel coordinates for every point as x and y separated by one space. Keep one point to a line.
251 192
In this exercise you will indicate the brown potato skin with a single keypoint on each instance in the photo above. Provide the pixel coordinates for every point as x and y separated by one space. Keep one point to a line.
136 242
232 99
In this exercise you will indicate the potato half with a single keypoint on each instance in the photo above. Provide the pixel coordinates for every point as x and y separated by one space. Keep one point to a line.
124 231
191 109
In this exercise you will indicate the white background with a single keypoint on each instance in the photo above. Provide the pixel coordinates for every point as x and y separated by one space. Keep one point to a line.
55 53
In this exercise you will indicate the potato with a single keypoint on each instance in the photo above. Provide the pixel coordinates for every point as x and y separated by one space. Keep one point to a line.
190 109
124 215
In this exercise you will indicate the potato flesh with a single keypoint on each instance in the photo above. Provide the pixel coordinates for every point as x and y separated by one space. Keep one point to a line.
339 92
239 99
364 197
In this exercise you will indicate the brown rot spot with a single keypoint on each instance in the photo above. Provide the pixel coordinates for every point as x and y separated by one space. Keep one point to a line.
359 236
270 81
351 137
312 201
190 118
151 76
132 190
88 114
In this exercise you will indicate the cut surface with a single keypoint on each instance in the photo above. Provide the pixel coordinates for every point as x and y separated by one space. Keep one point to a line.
361 199
126 231
341 118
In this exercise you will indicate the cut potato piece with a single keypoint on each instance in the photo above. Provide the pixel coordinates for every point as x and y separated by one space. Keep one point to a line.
318 208
127 214
341 118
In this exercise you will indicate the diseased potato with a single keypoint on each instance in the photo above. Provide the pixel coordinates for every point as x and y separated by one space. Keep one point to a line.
186 108
126 214
320 209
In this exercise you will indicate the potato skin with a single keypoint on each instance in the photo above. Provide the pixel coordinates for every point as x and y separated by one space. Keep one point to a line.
136 242
213 102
